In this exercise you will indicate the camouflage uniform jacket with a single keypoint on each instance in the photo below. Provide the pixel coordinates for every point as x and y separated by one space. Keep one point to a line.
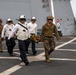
48 31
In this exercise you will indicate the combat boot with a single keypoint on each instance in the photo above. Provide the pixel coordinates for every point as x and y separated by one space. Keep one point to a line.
26 63
47 59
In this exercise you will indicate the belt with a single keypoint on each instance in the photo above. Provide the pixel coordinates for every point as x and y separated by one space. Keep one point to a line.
7 37
32 34
48 37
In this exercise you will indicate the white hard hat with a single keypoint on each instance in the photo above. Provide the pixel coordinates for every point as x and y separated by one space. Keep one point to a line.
33 18
9 19
22 17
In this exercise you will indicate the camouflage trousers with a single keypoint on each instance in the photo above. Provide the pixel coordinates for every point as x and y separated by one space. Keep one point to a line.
49 46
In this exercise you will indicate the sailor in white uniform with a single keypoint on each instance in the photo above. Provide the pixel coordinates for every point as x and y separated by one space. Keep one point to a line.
22 36
5 33
32 29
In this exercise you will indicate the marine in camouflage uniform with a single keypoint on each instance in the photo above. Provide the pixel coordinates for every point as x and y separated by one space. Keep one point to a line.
1 27
47 36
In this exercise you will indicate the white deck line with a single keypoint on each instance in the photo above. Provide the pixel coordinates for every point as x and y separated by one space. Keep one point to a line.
40 56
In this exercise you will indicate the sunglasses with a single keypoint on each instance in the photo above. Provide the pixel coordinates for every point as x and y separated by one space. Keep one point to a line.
22 19
50 19
9 21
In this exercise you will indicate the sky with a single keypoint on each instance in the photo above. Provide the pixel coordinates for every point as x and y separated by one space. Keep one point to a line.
73 4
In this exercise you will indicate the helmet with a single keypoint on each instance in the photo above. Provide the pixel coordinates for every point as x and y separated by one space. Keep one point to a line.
33 18
9 19
22 17
50 17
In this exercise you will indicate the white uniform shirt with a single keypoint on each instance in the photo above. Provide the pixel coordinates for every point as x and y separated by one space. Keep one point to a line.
22 33
32 28
7 30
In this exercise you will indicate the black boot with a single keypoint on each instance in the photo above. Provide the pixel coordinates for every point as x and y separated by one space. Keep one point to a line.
34 53
26 63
